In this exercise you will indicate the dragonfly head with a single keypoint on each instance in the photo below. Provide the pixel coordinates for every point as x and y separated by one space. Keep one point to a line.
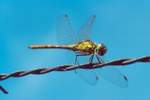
101 49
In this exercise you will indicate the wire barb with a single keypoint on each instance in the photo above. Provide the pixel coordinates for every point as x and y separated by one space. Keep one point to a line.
120 62
3 90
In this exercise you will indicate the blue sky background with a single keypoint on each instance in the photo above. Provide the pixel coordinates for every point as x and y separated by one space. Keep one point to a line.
123 25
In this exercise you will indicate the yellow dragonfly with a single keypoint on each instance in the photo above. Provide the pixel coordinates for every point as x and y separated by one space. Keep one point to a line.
82 45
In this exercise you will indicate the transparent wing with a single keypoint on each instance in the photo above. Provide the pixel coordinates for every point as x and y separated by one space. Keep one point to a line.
64 32
88 76
86 29
67 35
114 76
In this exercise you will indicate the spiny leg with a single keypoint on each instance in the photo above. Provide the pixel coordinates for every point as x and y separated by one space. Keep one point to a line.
76 59
99 59
91 59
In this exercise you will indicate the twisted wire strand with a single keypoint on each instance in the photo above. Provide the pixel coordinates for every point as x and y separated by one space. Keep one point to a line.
119 62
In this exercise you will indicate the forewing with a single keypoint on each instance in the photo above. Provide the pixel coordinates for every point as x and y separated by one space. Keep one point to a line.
65 33
86 30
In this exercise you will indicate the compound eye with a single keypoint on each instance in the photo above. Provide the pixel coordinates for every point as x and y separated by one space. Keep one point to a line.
102 51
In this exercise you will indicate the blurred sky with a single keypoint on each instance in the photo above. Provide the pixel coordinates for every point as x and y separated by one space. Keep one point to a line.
122 25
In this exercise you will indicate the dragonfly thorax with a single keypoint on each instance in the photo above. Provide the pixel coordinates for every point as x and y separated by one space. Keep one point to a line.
89 47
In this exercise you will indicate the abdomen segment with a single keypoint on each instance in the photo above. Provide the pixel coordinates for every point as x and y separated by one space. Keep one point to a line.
51 47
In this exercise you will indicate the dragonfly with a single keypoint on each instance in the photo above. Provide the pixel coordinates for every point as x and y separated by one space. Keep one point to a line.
81 44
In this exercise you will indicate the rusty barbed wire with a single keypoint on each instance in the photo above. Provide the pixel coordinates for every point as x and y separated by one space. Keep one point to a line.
120 62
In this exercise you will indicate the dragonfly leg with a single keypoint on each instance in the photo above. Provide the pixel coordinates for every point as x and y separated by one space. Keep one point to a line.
91 59
76 59
99 59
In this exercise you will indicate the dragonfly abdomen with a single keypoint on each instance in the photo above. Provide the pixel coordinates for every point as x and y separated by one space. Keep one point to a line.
51 47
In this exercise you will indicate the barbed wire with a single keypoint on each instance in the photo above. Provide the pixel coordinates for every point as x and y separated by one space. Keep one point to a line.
119 62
